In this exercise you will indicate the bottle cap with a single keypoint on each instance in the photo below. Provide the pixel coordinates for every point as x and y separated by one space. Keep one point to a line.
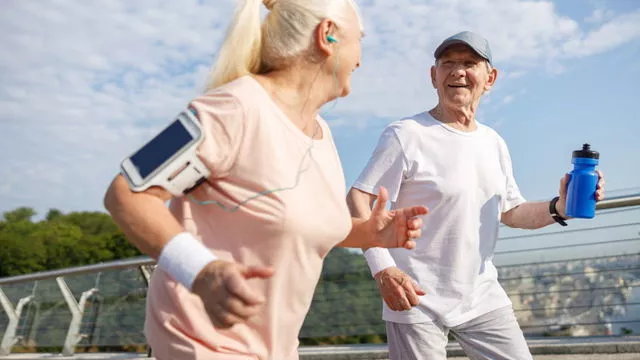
586 152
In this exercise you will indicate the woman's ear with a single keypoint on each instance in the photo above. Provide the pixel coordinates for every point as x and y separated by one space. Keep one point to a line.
325 38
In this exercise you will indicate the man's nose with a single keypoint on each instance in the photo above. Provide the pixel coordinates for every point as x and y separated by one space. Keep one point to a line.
458 70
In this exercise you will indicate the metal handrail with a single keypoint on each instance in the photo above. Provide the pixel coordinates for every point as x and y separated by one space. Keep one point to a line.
618 202
610 203
79 270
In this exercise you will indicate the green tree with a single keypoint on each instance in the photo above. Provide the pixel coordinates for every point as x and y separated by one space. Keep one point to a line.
91 223
62 242
119 246
21 252
19 214
54 214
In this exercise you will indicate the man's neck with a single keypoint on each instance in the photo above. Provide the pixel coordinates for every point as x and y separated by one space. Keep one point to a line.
461 118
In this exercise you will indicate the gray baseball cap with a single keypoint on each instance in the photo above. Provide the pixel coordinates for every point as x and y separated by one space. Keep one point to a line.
476 42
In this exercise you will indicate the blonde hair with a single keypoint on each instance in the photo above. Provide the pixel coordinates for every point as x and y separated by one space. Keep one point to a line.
253 47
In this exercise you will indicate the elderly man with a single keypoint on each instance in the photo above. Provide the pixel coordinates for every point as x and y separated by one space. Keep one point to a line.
461 170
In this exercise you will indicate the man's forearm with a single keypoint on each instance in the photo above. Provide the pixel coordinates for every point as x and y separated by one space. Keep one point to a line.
529 215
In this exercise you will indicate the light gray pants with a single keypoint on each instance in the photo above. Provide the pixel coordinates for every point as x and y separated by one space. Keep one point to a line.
495 335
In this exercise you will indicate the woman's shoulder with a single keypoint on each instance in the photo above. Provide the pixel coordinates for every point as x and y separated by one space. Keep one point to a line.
239 95
242 89
243 93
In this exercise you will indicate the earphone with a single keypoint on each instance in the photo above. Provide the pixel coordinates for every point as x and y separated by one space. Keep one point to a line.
331 39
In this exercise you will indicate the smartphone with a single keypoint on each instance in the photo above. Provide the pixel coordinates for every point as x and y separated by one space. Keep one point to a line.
169 159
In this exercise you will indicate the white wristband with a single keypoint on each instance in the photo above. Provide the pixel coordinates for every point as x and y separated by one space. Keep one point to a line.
183 257
378 259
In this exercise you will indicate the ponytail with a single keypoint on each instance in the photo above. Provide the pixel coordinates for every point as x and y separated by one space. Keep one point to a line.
288 31
239 54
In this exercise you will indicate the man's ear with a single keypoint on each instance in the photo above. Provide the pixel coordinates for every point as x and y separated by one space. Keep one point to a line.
493 76
433 76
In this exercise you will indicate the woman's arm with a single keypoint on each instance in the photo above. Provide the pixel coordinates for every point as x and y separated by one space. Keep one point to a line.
143 217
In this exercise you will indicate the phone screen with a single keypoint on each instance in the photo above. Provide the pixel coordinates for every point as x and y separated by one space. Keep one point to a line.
161 148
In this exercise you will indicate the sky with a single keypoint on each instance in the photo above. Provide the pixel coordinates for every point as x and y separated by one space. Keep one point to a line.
83 83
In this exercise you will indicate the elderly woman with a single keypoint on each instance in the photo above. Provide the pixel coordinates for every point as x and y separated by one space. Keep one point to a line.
239 258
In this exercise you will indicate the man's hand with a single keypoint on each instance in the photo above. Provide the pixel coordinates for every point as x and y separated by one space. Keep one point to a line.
398 290
396 228
562 192
227 297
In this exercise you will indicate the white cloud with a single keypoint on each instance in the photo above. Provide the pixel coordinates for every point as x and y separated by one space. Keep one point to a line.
524 36
608 36
508 99
514 74
83 82
599 15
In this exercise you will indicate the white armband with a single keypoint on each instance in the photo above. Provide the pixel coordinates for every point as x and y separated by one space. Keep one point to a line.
183 257
378 259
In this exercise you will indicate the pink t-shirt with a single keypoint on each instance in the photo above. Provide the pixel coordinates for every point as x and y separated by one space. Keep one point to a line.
251 147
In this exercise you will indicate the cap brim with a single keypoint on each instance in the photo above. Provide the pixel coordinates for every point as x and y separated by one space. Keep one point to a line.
441 49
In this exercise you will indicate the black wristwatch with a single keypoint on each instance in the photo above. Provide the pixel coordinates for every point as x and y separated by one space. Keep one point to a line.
554 212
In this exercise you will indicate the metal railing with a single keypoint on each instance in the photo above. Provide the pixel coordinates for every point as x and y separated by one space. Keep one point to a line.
83 307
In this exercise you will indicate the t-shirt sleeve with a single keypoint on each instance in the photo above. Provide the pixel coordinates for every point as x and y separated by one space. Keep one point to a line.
223 122
386 167
512 197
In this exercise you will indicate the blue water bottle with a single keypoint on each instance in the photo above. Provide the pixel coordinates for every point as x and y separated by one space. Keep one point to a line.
583 180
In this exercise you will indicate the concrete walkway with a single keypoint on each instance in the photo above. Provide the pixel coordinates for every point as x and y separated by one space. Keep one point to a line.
590 348
628 356
584 348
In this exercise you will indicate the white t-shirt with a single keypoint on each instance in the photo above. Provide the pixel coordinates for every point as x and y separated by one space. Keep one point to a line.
466 181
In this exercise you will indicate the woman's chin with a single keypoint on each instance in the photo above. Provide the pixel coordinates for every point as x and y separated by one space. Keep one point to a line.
346 90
